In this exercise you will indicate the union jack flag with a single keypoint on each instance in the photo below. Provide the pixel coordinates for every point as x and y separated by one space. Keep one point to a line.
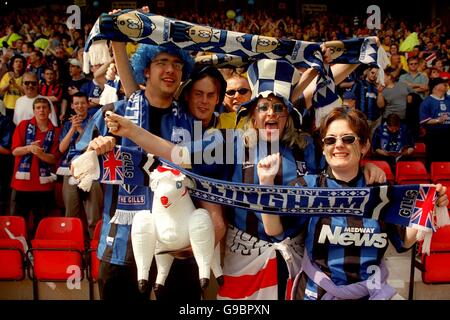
424 206
112 167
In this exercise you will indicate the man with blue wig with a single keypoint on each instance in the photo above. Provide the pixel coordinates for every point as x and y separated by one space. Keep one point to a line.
160 70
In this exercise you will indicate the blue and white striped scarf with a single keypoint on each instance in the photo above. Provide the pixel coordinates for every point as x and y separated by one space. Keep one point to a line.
405 205
148 28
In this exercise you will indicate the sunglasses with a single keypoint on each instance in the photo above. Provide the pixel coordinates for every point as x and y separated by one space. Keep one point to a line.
30 83
241 91
277 108
347 139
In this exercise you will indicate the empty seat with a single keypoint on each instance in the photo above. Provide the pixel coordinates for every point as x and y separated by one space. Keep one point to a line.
13 247
440 172
436 266
411 172
384 166
420 149
94 262
58 249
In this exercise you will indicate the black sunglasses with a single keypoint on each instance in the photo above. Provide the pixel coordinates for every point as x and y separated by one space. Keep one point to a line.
347 139
241 91
30 83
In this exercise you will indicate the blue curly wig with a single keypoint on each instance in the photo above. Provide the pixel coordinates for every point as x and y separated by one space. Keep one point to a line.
145 53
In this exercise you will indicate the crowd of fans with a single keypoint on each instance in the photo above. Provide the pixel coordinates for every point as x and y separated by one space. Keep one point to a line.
42 58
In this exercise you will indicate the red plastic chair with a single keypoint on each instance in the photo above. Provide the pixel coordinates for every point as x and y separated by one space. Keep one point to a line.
435 267
384 166
440 172
12 251
94 262
58 249
437 264
411 172
420 152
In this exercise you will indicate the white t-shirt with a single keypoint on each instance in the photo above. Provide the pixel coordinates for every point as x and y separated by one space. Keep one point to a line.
24 110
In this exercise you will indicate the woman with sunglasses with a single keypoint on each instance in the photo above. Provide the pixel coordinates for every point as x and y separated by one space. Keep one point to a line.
344 250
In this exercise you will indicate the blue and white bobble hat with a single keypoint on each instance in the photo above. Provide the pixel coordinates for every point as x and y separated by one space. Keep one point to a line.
277 77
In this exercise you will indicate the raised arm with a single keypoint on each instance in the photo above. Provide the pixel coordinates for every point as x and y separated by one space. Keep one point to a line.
267 170
124 68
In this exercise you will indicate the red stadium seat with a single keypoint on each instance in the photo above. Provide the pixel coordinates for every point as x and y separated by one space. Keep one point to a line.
411 172
440 172
94 262
12 250
435 267
420 152
58 249
384 166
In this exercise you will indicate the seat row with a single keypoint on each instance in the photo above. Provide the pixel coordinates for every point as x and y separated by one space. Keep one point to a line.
58 251
414 172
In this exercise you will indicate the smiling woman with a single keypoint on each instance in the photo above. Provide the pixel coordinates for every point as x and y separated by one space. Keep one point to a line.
343 252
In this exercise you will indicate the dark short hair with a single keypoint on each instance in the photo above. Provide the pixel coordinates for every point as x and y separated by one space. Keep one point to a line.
80 94
393 120
202 72
355 118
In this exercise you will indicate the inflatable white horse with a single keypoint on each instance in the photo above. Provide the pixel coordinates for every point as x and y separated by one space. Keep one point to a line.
174 224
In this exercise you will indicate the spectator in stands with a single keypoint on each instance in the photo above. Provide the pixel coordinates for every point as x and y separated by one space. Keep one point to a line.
238 92
203 94
51 89
435 118
393 96
368 99
11 84
72 85
24 105
4 61
161 69
399 61
6 160
418 82
35 64
392 141
345 134
349 99
396 67
84 205
35 148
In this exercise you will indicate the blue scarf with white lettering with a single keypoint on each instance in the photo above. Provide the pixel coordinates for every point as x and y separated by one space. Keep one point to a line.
404 205
45 174
148 28
137 110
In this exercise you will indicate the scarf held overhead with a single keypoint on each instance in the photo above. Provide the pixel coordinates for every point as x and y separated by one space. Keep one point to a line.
148 28
404 205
